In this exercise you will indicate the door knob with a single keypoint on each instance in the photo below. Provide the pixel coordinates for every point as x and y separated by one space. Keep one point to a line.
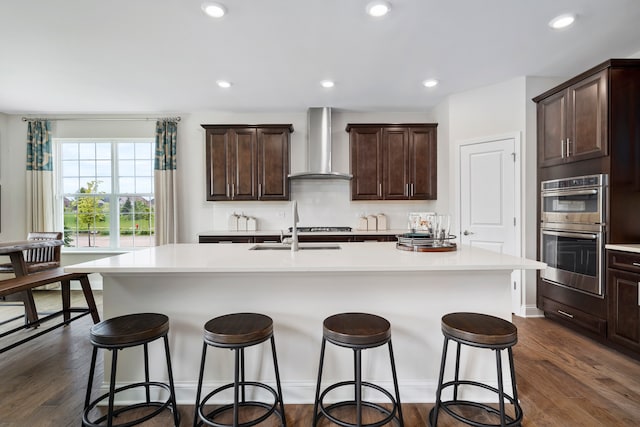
467 232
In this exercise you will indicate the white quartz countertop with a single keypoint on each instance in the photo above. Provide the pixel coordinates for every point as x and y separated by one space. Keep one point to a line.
624 247
351 257
301 233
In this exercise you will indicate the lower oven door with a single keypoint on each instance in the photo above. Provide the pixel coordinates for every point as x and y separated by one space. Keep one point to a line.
574 259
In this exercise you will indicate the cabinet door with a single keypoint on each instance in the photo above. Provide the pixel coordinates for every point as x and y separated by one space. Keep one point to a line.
366 163
587 118
244 164
395 152
218 152
273 164
624 313
552 129
422 167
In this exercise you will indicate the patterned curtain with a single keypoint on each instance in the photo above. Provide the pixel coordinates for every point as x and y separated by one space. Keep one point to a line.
165 182
40 189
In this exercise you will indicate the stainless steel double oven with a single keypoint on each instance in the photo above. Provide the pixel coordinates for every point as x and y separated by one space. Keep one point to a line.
572 232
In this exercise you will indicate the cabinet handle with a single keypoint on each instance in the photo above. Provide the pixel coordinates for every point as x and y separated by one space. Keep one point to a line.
562 148
406 190
564 313
568 142
380 189
233 190
637 264
259 190
412 193
227 189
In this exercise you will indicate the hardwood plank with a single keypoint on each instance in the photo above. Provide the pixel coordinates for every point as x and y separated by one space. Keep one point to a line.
564 379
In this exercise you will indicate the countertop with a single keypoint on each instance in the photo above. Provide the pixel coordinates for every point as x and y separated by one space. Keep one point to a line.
351 257
301 233
624 247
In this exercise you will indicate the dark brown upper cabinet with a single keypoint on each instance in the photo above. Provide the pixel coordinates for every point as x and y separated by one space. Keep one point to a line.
247 162
572 123
393 161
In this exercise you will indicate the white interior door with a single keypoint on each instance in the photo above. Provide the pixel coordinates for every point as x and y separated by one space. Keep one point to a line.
490 200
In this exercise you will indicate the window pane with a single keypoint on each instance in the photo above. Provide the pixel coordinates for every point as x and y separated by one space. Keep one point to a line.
70 185
87 168
127 185
144 151
103 168
126 150
144 185
144 168
103 150
69 151
69 168
87 151
126 168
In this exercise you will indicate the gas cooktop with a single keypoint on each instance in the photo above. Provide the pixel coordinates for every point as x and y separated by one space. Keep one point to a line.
321 229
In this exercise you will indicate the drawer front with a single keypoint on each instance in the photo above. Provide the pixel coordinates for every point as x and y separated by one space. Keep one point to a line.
624 261
572 315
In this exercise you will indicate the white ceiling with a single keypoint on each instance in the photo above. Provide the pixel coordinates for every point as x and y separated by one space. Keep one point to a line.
139 56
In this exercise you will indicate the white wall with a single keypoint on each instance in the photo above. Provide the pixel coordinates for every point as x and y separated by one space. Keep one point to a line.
320 202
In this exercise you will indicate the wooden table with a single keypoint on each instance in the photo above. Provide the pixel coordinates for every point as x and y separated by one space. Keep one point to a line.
15 252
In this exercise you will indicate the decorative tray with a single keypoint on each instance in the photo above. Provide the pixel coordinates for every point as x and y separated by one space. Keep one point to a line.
424 242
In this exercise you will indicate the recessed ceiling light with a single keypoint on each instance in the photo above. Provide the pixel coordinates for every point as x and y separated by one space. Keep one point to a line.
214 10
562 21
430 83
223 84
327 83
378 8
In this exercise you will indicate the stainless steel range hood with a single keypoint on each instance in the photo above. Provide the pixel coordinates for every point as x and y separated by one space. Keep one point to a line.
319 147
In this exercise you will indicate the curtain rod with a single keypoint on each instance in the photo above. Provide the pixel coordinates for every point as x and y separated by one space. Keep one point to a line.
30 119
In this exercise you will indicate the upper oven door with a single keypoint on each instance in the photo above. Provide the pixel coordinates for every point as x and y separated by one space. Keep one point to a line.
580 206
574 259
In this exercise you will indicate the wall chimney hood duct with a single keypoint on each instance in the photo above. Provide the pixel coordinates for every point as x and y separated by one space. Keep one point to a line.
319 147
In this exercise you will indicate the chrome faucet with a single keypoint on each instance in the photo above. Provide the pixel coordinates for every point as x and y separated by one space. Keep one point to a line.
294 230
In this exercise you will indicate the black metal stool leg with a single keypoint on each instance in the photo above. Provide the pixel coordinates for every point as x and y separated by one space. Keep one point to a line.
146 373
242 374
176 414
278 385
457 373
358 384
236 379
500 388
196 415
395 384
112 386
316 401
433 416
92 371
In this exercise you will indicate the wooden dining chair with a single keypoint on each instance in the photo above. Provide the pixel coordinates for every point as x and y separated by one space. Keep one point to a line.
39 259
36 259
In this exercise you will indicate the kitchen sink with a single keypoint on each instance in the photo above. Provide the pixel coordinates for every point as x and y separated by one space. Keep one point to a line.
301 246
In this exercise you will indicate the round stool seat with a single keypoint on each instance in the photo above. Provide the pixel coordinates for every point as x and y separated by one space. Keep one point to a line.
129 330
356 329
480 329
238 329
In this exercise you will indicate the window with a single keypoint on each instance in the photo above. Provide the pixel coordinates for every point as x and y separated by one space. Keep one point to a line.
105 192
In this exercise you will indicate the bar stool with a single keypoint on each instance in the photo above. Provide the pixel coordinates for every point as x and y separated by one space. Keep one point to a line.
237 332
117 334
357 331
482 331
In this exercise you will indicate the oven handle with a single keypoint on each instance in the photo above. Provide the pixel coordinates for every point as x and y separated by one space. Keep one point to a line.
567 234
567 193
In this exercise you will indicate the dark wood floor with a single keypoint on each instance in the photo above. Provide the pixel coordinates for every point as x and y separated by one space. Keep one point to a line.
564 379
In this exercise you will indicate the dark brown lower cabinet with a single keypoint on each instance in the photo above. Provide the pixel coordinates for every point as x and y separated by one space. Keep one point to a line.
623 280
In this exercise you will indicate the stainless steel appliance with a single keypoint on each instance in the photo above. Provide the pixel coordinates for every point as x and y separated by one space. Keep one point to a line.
572 232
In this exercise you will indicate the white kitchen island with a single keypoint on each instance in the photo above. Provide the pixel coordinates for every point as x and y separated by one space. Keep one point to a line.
192 283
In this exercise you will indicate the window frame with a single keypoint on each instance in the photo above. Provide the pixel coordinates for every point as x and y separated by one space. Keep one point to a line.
114 194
